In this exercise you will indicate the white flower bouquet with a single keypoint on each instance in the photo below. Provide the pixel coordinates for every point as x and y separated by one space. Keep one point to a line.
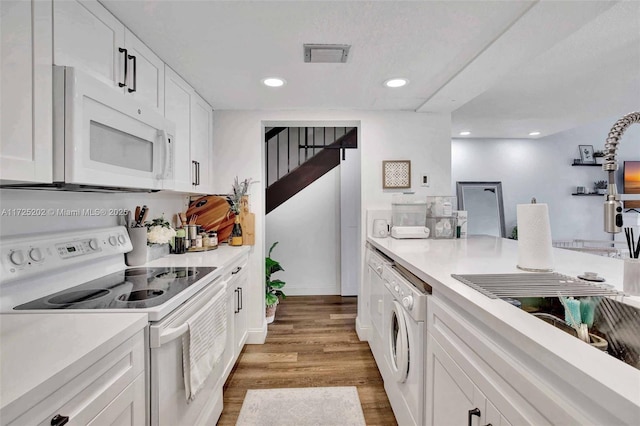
159 231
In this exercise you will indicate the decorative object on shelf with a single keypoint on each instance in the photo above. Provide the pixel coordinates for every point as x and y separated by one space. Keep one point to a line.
514 233
396 174
598 156
580 189
586 154
600 187
273 288
159 235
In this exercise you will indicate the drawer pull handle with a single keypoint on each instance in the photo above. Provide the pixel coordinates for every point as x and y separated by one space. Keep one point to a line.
474 412
59 420
235 271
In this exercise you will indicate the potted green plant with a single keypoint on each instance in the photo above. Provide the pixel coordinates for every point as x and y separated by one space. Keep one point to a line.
273 288
600 187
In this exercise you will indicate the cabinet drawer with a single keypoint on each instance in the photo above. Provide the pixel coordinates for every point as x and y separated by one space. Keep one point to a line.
84 396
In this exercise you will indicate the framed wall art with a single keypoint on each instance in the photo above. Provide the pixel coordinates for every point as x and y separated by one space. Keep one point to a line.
396 174
586 154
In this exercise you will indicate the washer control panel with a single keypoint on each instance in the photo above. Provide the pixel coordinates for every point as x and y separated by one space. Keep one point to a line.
21 257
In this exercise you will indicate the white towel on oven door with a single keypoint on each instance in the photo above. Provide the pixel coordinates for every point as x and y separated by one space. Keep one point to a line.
203 344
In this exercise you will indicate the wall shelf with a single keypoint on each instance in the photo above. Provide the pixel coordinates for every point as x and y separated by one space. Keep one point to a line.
587 195
586 165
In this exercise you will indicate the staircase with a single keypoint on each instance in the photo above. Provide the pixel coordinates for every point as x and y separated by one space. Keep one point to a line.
298 156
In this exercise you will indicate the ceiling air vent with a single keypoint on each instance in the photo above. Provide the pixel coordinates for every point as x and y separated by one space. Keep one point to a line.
326 53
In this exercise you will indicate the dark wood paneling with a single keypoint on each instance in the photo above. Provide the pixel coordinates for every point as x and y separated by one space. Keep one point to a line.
311 343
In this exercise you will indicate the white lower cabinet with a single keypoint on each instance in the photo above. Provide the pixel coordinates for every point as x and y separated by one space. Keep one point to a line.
470 379
456 400
109 392
237 277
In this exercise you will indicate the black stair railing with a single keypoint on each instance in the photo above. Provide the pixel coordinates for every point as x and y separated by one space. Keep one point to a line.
316 151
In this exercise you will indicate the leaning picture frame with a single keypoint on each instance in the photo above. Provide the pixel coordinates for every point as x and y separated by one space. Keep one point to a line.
586 154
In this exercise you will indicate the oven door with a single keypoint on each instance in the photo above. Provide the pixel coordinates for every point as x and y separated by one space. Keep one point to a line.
169 405
103 138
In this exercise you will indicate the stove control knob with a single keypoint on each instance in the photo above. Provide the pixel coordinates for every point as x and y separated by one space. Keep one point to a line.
36 255
396 289
407 302
112 240
121 239
93 244
17 257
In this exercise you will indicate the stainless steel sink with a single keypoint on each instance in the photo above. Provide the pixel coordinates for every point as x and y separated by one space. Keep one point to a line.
538 294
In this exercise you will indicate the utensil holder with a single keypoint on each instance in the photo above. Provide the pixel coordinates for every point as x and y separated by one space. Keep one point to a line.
137 256
631 277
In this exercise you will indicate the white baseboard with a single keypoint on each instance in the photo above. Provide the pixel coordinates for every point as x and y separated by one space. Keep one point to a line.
362 332
257 336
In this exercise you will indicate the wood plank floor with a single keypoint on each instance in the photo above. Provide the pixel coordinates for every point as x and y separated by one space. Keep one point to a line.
312 342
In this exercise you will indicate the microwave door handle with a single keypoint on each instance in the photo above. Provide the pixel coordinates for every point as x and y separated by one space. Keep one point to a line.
122 50
166 141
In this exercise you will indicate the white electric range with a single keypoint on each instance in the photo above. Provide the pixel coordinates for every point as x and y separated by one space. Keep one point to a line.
84 271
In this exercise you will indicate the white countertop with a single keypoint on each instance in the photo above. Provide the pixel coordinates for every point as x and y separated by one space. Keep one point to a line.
434 261
37 348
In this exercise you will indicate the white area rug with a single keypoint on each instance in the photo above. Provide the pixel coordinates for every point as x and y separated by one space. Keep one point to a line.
327 406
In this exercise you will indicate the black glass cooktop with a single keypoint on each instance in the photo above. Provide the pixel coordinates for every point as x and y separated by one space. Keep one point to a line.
133 288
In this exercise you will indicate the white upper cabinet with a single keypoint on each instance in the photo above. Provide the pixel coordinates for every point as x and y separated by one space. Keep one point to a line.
193 118
177 108
145 79
25 91
88 37
201 129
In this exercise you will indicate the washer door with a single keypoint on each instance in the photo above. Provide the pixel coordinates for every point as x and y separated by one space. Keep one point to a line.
398 343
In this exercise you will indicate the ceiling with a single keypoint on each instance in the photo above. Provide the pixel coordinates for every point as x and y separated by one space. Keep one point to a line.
502 68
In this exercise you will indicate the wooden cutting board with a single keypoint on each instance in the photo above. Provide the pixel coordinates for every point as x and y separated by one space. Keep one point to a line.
214 214
248 223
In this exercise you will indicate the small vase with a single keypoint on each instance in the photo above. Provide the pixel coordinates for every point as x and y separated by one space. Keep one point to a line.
236 233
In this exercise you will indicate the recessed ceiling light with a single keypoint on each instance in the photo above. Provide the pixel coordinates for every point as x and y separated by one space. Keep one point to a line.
534 133
396 82
273 82
465 133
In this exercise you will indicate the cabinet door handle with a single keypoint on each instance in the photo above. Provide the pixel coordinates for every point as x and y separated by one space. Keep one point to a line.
198 173
241 299
135 76
236 301
194 181
122 50
235 271
59 420
474 412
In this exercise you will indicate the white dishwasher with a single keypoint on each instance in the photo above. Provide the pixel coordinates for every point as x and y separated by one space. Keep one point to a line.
376 262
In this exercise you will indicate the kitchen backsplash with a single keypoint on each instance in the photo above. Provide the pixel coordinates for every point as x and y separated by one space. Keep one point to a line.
29 211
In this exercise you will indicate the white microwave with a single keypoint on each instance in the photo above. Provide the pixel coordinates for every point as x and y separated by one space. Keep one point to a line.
102 139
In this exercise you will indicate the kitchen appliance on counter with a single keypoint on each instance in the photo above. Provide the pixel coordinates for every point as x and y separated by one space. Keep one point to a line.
84 272
408 215
105 142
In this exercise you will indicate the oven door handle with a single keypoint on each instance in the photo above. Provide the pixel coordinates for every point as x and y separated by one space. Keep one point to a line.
170 334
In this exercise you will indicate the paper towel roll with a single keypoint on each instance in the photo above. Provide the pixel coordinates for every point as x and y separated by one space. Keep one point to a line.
534 238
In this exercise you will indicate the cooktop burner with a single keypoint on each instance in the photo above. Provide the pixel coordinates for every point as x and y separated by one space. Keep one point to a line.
133 288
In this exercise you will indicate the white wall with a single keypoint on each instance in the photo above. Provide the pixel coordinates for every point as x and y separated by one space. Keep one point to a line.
425 139
307 228
542 168
10 224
